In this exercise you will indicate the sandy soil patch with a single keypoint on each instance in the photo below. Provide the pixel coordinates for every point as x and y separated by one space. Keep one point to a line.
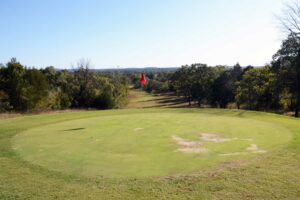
246 139
186 146
185 143
209 137
251 149
254 149
192 150
138 129
234 154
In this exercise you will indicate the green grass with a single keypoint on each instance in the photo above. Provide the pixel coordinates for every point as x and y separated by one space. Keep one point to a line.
139 143
107 157
139 99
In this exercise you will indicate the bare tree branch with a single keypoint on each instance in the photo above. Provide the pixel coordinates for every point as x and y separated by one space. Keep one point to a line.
291 20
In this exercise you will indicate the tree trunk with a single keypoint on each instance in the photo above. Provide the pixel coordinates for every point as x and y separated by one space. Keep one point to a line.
297 112
298 85
297 106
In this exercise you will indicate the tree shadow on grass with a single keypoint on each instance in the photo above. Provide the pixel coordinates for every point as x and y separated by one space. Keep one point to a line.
74 129
159 99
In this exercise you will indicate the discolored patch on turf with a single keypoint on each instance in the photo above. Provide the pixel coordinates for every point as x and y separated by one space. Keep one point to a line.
251 149
234 154
138 129
209 137
186 146
254 149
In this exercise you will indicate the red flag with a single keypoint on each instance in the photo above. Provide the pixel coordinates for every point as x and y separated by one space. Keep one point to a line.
143 81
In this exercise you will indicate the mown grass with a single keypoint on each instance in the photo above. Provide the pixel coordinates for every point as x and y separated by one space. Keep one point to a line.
140 143
274 175
140 99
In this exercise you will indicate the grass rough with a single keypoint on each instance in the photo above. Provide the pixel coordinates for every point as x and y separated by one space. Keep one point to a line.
273 175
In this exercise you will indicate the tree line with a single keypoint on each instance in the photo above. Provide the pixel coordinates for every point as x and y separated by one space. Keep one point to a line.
29 89
274 87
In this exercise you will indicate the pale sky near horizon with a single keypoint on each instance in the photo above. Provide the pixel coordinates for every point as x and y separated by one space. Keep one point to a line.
139 33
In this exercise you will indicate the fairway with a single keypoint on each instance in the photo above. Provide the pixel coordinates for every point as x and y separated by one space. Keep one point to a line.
147 143
150 100
157 153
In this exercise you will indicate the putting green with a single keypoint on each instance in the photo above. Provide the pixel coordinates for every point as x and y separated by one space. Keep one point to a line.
146 143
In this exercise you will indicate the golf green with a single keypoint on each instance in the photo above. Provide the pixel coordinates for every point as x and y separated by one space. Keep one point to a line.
143 143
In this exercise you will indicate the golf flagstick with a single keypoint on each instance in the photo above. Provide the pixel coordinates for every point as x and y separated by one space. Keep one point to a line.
143 80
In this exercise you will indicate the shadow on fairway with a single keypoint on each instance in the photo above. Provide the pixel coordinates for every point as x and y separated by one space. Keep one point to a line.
74 129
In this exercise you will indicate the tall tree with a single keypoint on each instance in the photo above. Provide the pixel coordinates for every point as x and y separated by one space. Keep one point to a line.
13 83
284 64
202 82
35 88
256 89
223 89
182 82
291 24
83 78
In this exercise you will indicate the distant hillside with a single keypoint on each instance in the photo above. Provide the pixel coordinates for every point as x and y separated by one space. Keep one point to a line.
132 70
143 69
137 70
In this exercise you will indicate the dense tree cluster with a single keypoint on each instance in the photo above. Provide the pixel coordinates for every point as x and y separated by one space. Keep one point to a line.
272 87
213 86
157 82
30 89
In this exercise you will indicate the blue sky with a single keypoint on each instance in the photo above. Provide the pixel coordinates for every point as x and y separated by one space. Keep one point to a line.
138 33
